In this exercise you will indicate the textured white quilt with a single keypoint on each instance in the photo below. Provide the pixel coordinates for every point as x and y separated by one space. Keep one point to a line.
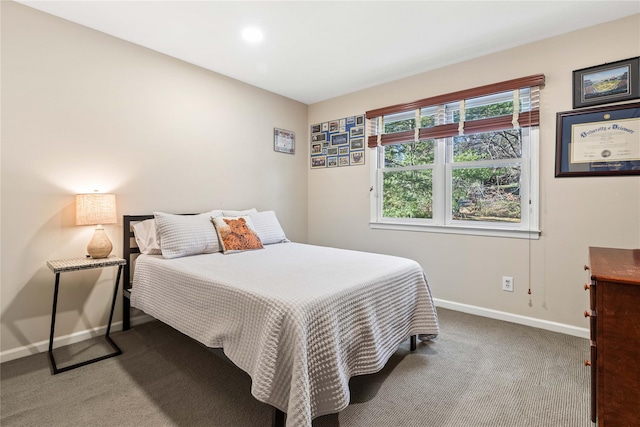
299 319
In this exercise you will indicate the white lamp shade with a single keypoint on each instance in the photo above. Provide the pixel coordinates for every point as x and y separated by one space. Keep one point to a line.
96 208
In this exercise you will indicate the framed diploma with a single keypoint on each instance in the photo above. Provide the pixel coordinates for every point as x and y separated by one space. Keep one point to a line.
284 141
602 141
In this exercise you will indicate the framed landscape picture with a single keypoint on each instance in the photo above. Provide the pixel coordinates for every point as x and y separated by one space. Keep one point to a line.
607 83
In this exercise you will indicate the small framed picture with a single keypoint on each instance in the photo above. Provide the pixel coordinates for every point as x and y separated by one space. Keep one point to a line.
316 149
343 161
284 141
332 151
317 137
343 151
316 128
355 132
332 162
607 83
357 157
318 162
339 139
357 143
359 120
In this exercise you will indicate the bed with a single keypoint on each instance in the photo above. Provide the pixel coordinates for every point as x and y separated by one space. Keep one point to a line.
301 320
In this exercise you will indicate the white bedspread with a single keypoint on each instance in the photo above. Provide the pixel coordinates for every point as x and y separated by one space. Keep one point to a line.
299 319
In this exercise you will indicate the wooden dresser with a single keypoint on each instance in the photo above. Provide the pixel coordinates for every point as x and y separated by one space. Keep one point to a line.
615 336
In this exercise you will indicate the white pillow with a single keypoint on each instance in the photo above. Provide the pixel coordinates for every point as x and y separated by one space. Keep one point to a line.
238 213
184 235
268 228
146 237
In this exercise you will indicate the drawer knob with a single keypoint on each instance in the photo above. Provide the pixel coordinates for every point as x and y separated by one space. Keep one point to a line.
587 362
586 267
586 287
588 313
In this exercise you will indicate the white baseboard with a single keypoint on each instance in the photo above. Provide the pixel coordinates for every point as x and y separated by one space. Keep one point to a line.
39 347
514 318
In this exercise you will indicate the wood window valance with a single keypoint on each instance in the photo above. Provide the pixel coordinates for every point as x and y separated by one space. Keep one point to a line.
530 117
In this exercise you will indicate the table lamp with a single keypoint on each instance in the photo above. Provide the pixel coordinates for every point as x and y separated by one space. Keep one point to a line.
97 209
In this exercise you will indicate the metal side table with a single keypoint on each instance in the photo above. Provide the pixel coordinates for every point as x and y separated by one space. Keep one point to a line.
59 266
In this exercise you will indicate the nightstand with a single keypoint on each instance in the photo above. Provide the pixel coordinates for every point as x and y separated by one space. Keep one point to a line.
59 266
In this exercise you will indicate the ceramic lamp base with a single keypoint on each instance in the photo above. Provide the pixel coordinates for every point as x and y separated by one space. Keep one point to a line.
100 246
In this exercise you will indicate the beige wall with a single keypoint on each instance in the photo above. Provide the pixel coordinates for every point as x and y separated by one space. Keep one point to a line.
575 213
82 111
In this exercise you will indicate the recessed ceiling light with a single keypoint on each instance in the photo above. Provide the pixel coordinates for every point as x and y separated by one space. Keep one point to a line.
252 35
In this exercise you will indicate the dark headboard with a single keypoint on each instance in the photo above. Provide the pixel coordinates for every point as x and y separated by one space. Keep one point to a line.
127 252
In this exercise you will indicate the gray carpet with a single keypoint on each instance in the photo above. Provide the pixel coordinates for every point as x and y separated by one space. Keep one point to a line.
479 372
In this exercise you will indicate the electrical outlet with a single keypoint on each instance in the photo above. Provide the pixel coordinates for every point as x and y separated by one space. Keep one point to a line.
507 283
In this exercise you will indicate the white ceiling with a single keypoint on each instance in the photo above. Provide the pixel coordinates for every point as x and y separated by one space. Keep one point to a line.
316 50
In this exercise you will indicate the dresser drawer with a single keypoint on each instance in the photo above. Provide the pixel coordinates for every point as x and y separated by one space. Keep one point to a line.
593 353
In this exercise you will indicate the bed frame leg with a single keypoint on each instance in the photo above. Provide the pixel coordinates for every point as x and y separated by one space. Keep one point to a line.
126 313
413 342
278 418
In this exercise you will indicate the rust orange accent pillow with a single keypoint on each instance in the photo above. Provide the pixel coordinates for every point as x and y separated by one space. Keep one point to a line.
236 234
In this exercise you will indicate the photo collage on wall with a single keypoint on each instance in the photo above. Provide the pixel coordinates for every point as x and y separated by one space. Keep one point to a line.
338 143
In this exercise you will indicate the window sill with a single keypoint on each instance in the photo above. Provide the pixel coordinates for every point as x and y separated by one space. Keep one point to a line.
464 229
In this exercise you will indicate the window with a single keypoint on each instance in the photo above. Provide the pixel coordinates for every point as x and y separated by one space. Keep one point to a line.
465 162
